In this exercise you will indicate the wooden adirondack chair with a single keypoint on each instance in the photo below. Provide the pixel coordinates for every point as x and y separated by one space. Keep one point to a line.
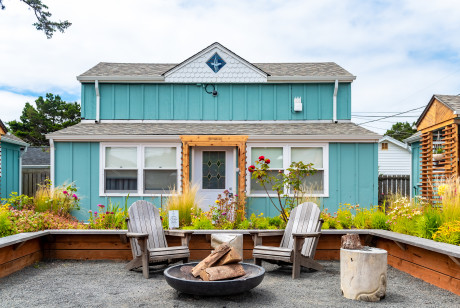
299 242
148 241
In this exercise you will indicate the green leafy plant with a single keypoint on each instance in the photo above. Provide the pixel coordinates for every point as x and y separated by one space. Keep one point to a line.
61 200
292 180
112 217
448 232
439 150
378 220
429 222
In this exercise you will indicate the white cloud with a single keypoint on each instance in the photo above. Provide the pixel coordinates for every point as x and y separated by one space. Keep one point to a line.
401 51
12 105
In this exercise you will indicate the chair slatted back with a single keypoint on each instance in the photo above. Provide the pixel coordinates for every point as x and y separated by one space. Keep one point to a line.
303 219
144 217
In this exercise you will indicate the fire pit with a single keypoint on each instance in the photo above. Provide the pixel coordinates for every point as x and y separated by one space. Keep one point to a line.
180 278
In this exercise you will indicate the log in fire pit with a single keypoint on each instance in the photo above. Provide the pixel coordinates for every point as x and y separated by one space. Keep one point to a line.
180 278
220 273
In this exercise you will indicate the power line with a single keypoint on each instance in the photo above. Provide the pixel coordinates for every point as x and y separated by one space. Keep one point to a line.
392 115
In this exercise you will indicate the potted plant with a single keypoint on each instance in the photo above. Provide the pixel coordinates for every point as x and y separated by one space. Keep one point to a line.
438 154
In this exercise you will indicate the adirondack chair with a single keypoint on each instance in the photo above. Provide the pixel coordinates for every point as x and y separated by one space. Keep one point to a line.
299 242
148 241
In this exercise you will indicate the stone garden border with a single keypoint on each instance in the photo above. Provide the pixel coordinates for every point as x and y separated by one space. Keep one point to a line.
434 262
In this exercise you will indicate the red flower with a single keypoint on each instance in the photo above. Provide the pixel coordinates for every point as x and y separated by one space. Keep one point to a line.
251 168
261 158
267 161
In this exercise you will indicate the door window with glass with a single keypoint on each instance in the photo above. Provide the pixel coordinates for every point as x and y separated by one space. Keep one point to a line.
213 175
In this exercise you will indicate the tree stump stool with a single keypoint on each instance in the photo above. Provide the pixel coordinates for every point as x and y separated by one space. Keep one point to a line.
233 240
363 273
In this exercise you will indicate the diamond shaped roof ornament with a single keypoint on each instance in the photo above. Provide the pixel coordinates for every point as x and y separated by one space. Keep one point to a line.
216 63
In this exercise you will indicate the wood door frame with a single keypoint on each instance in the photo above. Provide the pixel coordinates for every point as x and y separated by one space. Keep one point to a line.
210 141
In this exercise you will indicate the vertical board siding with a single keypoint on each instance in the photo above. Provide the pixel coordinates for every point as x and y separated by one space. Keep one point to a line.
415 172
237 102
353 179
78 163
10 169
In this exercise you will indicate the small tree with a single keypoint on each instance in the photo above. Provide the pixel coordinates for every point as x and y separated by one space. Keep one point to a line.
401 130
291 179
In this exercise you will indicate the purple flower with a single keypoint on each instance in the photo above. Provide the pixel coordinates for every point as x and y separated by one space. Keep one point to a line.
95 213
224 213
101 206
75 196
65 192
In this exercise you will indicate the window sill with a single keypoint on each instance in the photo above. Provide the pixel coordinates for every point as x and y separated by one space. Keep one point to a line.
133 195
276 196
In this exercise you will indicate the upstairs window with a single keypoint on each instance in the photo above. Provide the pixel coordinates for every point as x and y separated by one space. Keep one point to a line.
384 146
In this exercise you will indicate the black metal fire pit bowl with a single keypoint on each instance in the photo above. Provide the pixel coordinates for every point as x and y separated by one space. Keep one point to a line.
180 278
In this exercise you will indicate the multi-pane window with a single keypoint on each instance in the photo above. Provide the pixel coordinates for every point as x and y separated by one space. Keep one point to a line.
281 158
276 165
160 169
139 169
384 146
121 169
313 183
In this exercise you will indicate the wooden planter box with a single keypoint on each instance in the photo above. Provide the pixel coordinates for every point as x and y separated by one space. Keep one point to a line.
433 262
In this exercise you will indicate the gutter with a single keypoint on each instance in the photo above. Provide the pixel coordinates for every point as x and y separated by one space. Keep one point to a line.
52 162
13 141
334 101
98 101
121 79
310 78
20 169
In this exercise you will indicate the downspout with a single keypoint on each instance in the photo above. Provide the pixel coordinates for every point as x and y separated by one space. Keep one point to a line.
52 162
20 169
334 101
98 100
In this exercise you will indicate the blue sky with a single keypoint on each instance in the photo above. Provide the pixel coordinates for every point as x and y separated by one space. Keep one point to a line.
402 52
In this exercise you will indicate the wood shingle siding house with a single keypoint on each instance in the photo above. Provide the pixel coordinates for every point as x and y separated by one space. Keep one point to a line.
149 127
11 150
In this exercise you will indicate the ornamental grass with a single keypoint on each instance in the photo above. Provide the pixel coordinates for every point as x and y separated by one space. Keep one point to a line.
186 203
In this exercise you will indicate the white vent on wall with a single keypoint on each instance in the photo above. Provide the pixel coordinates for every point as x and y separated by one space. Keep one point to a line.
297 103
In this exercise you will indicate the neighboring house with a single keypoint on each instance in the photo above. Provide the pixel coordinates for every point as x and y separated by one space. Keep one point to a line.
148 127
438 132
394 157
11 150
414 142
35 168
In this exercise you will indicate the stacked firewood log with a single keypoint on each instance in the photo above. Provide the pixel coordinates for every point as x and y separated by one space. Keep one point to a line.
222 263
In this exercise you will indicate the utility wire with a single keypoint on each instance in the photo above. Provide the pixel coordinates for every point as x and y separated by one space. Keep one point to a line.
392 115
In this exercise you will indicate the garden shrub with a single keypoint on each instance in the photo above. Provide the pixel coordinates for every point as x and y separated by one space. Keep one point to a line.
112 217
378 220
448 232
31 221
344 216
61 200
429 222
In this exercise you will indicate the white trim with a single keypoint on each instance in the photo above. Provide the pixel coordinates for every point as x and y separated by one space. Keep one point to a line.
52 162
98 100
287 161
309 79
334 101
140 168
403 145
209 48
252 138
88 121
121 79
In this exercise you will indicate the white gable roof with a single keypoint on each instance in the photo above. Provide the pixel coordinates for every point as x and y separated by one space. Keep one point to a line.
396 142
195 69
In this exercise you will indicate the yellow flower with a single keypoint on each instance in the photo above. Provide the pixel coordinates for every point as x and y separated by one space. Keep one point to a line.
217 201
442 189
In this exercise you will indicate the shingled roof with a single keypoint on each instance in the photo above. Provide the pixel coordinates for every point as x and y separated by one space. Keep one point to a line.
36 156
182 128
106 69
451 101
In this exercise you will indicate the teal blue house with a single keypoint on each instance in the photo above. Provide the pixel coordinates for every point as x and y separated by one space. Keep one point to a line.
150 127
11 150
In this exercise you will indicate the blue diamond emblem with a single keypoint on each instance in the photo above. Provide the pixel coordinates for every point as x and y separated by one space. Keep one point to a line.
216 62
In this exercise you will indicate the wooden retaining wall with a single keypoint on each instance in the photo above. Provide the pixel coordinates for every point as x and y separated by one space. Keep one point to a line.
435 268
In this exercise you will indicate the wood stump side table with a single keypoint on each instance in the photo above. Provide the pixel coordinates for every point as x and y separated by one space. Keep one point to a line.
363 273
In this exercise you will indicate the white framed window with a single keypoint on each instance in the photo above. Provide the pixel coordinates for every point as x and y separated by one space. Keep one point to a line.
316 153
139 169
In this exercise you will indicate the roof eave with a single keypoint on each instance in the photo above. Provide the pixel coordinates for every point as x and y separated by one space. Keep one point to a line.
309 79
120 79
14 141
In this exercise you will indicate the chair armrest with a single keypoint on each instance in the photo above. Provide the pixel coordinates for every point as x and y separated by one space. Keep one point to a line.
267 232
304 235
137 235
180 233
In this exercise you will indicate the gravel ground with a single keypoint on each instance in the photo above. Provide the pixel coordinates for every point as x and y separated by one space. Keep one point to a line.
107 284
